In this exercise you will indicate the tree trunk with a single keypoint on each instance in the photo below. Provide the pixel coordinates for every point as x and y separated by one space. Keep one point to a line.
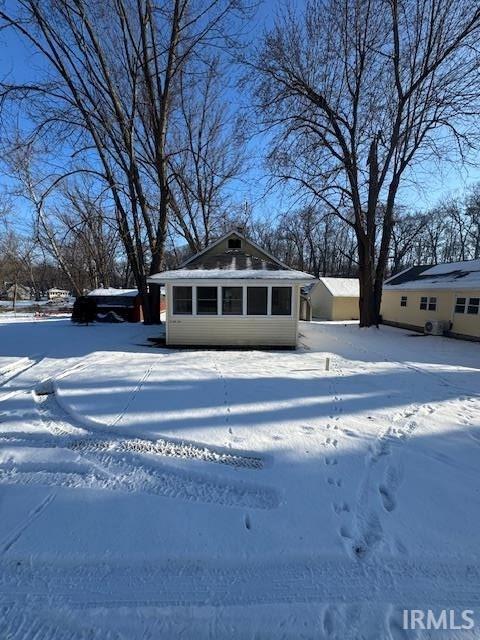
368 304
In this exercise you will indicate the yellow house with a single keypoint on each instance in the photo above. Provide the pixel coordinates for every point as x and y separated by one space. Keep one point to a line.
440 299
233 293
333 298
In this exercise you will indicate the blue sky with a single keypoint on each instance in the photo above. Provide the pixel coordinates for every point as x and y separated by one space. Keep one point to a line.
431 183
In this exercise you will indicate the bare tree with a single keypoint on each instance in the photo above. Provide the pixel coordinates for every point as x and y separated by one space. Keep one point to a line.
111 86
89 229
405 233
359 90
210 156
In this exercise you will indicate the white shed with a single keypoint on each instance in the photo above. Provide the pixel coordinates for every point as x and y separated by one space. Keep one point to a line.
334 298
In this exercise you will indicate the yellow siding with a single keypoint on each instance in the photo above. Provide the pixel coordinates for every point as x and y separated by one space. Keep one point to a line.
464 323
345 309
233 330
329 307
412 315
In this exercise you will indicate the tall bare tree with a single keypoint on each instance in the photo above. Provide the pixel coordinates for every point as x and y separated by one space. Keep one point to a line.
211 155
359 91
110 85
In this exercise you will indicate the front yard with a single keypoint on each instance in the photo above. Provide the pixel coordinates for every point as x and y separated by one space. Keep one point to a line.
150 493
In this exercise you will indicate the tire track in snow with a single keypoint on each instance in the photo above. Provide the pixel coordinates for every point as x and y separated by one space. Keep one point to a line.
35 513
20 623
189 583
59 423
133 395
47 380
17 368
109 474
118 464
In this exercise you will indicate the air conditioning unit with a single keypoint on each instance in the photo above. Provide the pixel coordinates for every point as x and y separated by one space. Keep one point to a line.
435 327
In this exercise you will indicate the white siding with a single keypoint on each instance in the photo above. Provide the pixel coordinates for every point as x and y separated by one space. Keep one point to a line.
233 330
321 301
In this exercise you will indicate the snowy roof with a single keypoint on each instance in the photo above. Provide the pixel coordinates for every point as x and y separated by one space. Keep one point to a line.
231 264
342 287
449 276
111 291
226 274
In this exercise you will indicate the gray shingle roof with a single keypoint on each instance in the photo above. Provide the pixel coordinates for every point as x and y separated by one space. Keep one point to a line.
449 276
233 260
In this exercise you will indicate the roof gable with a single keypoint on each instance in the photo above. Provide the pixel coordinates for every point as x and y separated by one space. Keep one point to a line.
219 262
220 246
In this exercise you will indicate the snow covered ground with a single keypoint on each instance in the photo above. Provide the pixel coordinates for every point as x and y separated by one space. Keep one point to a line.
154 493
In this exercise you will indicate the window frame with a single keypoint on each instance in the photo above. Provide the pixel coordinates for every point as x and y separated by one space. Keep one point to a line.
242 304
268 300
183 313
206 313
244 285
289 300
475 306
423 303
403 301
236 240
432 306
461 305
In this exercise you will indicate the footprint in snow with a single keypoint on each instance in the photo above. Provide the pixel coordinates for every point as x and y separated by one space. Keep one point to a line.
328 623
401 548
372 536
334 483
332 442
387 490
345 532
341 508
331 461
394 626
388 500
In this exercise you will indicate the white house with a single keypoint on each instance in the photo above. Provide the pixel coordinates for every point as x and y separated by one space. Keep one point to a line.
232 293
57 294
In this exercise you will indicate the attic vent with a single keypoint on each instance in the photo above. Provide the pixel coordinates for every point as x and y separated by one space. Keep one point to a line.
234 243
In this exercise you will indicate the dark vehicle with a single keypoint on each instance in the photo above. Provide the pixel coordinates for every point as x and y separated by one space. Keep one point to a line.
84 310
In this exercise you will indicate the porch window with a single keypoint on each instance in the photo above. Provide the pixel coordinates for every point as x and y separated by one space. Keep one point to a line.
257 301
432 304
281 301
182 300
423 303
460 305
232 301
473 305
403 301
207 301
